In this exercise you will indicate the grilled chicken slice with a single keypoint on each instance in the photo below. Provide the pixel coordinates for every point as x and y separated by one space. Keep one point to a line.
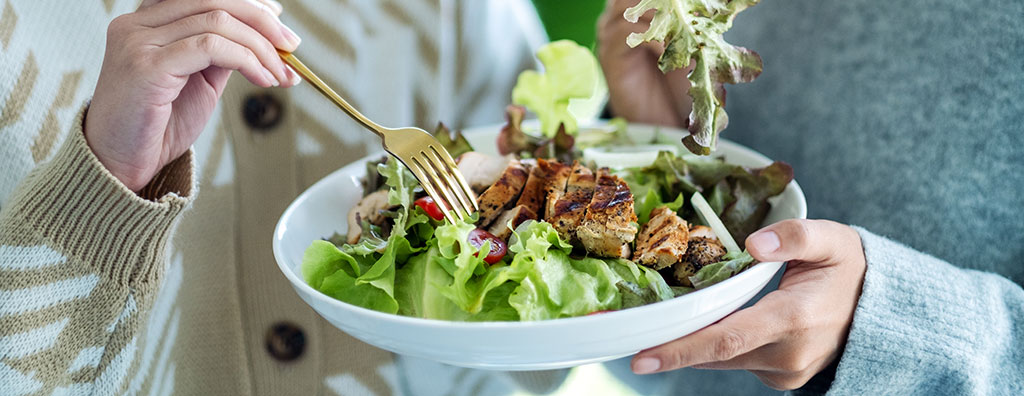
544 179
482 170
516 216
662 241
610 223
503 193
703 248
558 177
369 208
566 212
699 231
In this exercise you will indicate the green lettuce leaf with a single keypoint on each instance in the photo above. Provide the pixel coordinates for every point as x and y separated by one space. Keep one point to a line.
364 274
692 31
401 191
570 71
467 290
370 240
640 285
420 290
336 274
731 264
554 285
650 201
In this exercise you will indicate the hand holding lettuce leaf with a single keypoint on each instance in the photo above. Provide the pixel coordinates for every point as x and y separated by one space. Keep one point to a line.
692 32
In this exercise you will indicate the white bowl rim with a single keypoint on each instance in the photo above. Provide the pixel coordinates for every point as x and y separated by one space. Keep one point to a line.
298 281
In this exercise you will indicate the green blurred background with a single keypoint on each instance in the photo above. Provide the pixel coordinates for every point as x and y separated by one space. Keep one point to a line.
570 19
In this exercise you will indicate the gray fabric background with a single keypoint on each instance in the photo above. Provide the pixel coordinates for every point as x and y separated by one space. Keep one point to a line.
904 117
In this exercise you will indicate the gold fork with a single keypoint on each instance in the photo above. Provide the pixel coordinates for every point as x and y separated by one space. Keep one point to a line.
418 150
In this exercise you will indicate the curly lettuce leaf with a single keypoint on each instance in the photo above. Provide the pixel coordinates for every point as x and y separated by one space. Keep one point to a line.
512 139
692 32
370 240
570 72
468 288
373 182
751 191
401 192
453 141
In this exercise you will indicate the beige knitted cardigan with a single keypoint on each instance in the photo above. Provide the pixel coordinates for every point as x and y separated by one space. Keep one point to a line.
175 290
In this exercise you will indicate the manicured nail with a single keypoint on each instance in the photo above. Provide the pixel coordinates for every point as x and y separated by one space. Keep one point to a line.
270 77
276 6
293 77
293 39
764 241
646 365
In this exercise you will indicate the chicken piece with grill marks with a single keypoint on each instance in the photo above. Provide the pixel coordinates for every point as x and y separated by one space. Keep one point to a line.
662 242
503 193
703 249
565 211
609 224
546 178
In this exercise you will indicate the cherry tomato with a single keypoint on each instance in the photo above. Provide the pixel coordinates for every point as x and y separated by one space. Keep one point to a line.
430 207
498 247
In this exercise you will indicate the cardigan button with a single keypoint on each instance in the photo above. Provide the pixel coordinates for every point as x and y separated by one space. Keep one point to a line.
262 111
285 341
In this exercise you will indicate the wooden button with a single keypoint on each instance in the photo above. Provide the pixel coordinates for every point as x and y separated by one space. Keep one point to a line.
285 341
262 111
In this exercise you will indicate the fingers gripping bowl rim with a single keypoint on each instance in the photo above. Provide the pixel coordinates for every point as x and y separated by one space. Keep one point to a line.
538 345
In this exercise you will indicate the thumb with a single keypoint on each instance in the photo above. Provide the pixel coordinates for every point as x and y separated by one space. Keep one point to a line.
798 240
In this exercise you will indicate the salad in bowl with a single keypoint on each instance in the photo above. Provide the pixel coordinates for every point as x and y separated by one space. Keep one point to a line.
566 236
592 242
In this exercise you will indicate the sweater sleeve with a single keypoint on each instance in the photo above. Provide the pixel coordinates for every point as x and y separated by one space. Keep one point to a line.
923 326
80 258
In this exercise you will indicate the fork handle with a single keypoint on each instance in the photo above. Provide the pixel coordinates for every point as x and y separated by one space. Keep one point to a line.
321 86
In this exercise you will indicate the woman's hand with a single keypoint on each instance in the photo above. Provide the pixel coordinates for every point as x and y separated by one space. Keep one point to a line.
164 69
638 90
792 333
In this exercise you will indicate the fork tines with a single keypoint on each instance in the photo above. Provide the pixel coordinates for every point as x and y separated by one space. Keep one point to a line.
442 180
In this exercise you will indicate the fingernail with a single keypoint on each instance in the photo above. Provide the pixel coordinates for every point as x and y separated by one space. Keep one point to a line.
276 5
270 77
289 34
293 77
646 365
764 241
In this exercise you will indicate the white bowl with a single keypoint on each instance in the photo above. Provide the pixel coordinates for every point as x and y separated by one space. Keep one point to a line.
322 209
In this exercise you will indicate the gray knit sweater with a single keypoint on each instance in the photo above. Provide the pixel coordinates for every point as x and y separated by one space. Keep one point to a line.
906 118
